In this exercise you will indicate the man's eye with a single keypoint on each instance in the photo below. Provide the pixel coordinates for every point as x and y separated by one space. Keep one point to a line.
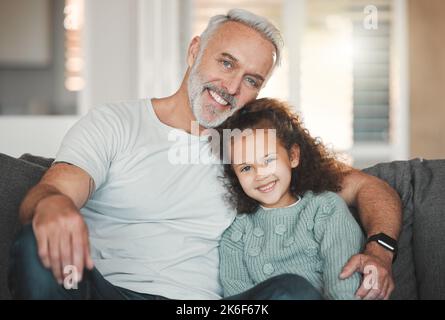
252 82
245 169
227 64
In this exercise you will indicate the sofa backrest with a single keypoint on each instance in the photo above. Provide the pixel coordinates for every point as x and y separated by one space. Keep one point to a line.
428 178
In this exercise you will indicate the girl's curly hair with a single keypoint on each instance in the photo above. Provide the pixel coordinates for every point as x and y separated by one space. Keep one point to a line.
318 169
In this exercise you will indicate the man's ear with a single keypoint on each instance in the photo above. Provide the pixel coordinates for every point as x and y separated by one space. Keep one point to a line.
193 51
295 156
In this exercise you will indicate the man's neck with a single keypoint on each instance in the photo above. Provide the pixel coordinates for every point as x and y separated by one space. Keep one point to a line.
175 111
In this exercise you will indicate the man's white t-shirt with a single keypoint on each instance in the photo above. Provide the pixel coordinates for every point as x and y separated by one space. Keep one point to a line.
154 224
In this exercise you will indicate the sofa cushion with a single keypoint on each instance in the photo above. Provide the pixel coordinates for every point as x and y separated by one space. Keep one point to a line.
429 226
398 175
16 178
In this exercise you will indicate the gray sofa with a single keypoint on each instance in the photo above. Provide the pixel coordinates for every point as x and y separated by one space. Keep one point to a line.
419 270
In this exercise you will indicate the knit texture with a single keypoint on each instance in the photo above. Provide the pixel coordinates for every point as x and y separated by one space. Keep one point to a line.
314 239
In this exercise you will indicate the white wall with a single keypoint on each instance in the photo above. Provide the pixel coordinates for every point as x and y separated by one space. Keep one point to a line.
40 135
110 52
161 57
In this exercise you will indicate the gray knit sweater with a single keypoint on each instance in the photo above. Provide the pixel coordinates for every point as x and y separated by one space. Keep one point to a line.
314 239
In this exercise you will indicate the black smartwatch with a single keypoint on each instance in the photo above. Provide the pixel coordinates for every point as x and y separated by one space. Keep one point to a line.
386 242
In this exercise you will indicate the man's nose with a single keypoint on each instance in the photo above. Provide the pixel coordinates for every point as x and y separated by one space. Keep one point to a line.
233 84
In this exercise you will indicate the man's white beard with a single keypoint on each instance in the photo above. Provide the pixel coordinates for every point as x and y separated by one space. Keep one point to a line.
207 116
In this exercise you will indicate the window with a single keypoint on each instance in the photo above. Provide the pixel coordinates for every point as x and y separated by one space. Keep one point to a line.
371 74
354 71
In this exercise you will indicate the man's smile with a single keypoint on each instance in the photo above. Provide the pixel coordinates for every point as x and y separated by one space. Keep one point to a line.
217 97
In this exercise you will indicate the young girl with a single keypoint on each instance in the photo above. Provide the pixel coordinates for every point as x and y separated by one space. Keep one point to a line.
290 220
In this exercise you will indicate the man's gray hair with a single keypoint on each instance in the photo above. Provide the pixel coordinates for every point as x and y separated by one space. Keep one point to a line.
258 23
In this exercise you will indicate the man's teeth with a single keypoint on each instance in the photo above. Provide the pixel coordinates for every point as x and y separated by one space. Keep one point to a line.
267 187
218 98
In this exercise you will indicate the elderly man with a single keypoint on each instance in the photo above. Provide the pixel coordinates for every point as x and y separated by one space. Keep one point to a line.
136 226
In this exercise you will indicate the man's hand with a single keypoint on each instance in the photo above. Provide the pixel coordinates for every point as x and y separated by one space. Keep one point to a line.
62 236
375 264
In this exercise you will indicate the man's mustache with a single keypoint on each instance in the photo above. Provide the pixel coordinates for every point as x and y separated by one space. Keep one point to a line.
223 93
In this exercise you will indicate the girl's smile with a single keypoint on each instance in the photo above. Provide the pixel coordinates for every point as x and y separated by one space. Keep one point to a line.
267 187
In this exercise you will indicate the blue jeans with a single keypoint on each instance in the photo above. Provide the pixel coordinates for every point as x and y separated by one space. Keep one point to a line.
29 279
283 287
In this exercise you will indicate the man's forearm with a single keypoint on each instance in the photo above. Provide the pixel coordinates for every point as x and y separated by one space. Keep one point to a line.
379 208
378 204
380 211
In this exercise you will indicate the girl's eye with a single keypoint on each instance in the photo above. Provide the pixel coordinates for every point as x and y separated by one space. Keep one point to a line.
269 160
252 82
245 169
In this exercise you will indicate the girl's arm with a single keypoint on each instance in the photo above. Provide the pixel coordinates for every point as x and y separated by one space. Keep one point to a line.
340 237
233 271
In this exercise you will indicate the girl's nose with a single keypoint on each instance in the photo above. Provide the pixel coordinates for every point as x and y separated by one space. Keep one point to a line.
262 173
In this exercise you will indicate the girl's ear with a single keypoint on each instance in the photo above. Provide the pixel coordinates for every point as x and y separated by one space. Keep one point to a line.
193 51
295 156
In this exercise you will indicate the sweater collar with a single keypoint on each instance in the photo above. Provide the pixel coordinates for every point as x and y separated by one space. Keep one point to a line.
289 206
293 209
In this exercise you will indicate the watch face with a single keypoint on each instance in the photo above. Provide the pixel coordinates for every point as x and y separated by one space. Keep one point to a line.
386 245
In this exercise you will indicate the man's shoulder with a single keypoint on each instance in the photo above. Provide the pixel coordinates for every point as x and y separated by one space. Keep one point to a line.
123 107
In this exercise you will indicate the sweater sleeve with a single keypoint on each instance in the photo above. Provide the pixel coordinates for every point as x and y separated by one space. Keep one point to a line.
340 237
233 275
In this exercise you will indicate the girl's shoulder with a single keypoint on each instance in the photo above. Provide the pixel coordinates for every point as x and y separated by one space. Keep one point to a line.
240 221
243 217
325 203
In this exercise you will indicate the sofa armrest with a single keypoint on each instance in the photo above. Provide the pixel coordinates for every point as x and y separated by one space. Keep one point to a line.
428 178
17 177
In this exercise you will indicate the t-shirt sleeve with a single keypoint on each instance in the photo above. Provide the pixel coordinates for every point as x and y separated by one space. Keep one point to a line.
92 143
